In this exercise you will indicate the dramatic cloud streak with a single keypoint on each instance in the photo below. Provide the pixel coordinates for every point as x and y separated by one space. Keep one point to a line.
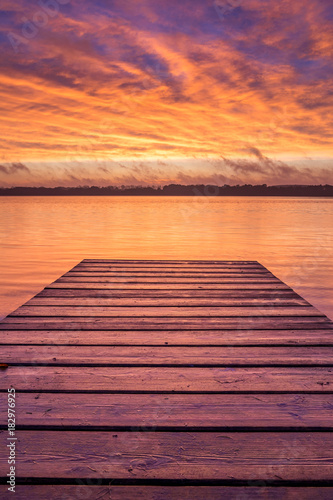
14 168
232 84
218 171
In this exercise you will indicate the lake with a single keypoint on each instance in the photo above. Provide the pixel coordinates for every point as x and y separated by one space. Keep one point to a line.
43 237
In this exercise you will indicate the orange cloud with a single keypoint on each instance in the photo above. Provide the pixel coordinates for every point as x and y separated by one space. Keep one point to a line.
139 81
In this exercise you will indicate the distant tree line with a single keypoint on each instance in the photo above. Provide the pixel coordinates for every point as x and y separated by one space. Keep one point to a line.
173 190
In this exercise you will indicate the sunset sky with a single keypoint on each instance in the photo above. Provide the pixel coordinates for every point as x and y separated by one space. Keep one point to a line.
158 91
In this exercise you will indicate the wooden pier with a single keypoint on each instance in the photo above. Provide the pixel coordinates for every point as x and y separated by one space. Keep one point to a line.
169 380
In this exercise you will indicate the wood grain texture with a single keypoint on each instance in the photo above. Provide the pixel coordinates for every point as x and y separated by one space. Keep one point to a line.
152 264
183 411
170 266
169 279
125 285
26 336
167 355
170 274
167 311
159 379
167 293
163 323
166 301
168 455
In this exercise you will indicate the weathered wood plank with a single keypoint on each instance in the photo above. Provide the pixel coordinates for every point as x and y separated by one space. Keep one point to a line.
201 337
163 323
170 262
165 301
59 492
190 325
152 267
167 311
168 279
156 355
170 286
157 379
170 270
159 455
250 294
169 411
161 274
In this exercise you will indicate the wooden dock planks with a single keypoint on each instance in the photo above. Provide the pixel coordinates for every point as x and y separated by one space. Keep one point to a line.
169 379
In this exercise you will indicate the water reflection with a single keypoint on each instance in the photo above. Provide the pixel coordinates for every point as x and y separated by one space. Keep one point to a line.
41 238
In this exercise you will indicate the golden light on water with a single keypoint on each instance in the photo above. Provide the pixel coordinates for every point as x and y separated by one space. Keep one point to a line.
291 237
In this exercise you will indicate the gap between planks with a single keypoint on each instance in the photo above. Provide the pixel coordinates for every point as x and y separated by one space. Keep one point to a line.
163 492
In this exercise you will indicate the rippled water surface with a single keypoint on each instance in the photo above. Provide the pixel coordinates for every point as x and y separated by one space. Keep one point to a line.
43 237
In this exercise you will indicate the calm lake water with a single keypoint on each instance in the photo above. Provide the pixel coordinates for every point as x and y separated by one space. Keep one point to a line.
42 238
